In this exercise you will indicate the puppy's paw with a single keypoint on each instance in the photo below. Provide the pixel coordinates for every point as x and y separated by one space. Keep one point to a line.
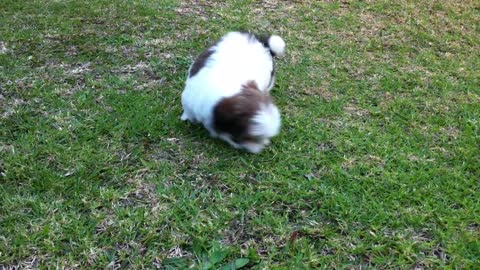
254 148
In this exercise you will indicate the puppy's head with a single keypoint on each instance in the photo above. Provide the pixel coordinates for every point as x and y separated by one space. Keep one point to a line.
249 118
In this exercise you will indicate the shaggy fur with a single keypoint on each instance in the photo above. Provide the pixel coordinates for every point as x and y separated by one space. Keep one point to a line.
228 87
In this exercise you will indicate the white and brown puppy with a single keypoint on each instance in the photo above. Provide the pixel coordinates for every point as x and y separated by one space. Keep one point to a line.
227 90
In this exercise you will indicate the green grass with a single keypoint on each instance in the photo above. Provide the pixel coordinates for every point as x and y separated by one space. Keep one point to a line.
377 165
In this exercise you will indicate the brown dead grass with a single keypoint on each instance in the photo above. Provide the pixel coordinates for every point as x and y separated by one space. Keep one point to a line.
355 111
201 9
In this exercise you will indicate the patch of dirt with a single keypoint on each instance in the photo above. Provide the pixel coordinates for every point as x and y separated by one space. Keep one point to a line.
149 85
200 9
415 158
178 252
371 25
143 70
92 255
10 106
238 230
374 161
461 97
452 132
348 163
474 228
29 263
132 69
385 99
78 70
71 50
316 91
326 146
75 70
240 233
106 223
143 191
269 4
3 47
441 254
353 110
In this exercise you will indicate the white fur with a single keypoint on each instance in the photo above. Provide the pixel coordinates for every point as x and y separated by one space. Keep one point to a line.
236 60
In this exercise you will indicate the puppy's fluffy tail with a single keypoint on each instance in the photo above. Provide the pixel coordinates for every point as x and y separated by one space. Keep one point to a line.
276 45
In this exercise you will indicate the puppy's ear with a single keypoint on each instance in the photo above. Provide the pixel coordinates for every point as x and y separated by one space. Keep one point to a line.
201 60
233 114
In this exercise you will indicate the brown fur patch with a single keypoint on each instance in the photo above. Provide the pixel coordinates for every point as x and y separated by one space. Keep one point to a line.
232 115
201 61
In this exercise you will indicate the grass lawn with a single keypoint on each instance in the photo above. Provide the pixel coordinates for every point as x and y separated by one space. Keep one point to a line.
377 164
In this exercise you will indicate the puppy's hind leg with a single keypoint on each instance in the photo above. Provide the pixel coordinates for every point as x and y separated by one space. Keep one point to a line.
184 116
253 147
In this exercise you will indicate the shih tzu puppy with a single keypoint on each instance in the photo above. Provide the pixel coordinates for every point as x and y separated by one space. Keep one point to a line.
227 90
